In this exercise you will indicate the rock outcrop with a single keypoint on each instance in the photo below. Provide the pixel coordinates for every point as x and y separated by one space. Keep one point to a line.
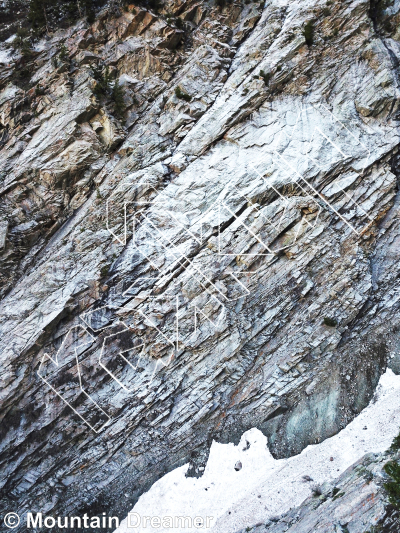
217 252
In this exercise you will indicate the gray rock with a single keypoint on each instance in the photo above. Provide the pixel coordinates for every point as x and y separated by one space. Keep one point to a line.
238 466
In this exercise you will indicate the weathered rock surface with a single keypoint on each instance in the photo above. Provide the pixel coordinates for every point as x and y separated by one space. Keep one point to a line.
204 264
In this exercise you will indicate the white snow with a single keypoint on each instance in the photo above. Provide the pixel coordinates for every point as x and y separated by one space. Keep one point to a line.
5 56
266 487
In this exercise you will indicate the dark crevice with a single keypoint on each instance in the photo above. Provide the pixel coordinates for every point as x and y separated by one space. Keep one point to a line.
375 13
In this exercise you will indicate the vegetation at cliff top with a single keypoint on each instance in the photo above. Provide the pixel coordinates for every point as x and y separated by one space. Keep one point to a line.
107 88
392 468
182 95
49 15
308 33
395 446
330 322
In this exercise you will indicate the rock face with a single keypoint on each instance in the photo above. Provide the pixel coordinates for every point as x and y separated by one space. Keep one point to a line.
221 253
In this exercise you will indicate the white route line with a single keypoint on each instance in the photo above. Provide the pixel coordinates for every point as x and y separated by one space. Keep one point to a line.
300 156
197 311
303 219
270 252
184 258
56 362
314 106
330 206
127 328
134 202
181 259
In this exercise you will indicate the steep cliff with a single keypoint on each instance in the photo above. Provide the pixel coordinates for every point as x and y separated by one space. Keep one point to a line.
200 235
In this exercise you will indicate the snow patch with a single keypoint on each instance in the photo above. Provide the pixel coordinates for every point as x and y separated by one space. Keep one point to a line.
5 56
265 487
